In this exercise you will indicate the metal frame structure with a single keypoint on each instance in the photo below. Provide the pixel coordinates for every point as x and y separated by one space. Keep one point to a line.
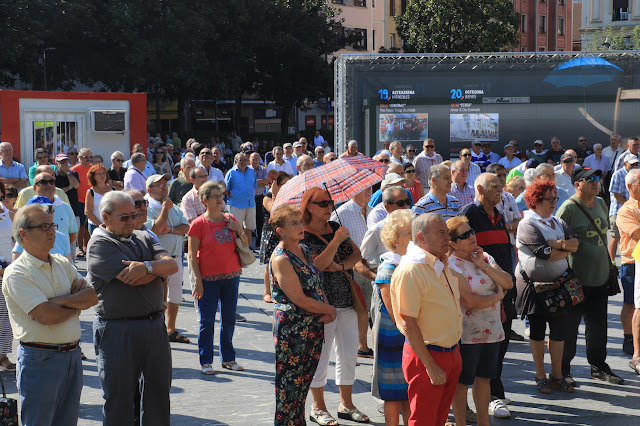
347 67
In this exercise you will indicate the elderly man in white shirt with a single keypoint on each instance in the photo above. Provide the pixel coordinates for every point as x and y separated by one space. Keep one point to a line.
597 160
563 176
279 164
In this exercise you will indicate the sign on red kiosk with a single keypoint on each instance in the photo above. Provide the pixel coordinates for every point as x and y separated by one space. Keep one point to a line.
310 121
324 121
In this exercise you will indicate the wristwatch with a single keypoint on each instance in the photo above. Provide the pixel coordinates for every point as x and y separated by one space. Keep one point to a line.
149 266
547 250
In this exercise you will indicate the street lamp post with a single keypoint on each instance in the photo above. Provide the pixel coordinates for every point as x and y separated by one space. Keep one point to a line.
44 64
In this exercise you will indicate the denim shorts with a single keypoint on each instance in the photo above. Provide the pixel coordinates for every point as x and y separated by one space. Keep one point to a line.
627 277
478 360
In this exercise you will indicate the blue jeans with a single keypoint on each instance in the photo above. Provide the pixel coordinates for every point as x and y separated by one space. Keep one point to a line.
225 292
49 384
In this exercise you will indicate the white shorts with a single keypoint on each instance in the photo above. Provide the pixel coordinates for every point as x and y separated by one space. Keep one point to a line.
174 284
245 217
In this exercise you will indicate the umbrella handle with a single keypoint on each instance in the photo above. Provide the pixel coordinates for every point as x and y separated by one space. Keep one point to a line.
333 206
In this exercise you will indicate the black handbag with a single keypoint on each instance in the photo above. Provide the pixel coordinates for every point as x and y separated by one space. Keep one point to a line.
8 409
613 286
555 299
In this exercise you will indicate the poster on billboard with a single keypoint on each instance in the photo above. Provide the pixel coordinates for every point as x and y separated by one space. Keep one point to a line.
470 127
406 124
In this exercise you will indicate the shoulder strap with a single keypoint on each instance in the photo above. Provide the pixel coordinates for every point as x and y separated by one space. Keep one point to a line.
588 216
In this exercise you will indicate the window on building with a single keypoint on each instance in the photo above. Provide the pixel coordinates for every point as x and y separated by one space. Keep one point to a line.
523 23
392 41
523 49
373 40
392 8
337 1
403 6
542 24
620 10
542 49
360 3
560 26
361 44
561 2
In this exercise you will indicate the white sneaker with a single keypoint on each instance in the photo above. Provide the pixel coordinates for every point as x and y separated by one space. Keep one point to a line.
497 408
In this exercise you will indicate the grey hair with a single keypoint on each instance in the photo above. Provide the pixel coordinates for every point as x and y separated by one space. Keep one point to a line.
456 165
208 187
192 172
22 220
387 153
6 144
112 199
317 149
83 151
116 154
493 168
138 157
276 149
530 176
389 193
409 146
632 176
352 142
482 179
542 167
394 144
237 157
616 135
184 160
597 145
436 170
421 224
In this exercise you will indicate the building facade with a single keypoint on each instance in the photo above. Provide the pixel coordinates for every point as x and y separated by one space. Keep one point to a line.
605 19
545 25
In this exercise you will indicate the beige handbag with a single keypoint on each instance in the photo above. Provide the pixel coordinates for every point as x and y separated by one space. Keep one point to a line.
244 253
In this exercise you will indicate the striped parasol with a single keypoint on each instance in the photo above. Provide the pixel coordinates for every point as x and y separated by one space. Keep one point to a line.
341 179
362 162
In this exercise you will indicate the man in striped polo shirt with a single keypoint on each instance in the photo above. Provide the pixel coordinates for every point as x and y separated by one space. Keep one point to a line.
437 200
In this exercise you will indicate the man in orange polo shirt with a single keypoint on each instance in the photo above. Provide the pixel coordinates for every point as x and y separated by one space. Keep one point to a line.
628 222
82 168
426 303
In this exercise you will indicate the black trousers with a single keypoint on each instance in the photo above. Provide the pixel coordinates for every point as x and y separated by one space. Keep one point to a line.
259 219
497 388
594 311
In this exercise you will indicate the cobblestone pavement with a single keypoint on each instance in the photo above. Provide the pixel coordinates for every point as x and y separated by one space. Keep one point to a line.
247 398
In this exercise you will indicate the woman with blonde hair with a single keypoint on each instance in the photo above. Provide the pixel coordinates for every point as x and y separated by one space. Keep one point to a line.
388 382
335 254
515 186
299 315
482 284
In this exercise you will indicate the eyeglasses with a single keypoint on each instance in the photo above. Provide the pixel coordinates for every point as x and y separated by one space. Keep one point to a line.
551 199
320 152
582 140
216 197
430 146
87 157
322 204
465 155
118 160
409 171
45 227
465 235
125 217
411 150
202 176
138 204
385 160
591 179
401 203
45 182
569 160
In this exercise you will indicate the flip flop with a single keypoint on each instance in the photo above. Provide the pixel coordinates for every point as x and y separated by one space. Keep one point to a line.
177 337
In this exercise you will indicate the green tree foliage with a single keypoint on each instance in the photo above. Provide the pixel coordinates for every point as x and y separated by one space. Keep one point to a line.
441 26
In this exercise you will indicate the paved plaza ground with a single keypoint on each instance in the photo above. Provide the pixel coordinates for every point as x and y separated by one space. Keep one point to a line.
247 398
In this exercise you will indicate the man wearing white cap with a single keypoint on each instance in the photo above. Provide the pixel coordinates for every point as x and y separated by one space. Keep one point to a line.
539 153
509 161
288 156
166 220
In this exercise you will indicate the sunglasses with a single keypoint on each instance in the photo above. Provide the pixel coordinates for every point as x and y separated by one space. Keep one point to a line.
591 179
465 235
582 140
411 150
45 182
322 204
118 160
401 203
430 146
205 153
333 158
45 227
11 195
569 160
409 171
320 152
138 204
126 217
385 161
465 155
87 157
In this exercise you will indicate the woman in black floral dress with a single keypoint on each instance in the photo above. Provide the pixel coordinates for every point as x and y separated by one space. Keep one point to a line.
299 316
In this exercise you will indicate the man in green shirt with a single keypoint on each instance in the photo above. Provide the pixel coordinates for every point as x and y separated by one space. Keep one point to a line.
175 141
591 265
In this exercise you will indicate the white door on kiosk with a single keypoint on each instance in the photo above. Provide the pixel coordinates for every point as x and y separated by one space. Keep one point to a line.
55 132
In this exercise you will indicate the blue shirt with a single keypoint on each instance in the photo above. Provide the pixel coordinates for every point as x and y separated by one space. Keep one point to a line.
617 185
14 171
241 187
60 246
430 204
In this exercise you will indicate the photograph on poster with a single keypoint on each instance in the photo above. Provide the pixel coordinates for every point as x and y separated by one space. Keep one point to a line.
469 127
403 127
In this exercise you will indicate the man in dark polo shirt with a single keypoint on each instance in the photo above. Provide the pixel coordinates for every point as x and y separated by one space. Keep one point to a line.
126 269
492 236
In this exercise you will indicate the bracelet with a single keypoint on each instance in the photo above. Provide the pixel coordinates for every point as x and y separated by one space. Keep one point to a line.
562 244
242 233
342 264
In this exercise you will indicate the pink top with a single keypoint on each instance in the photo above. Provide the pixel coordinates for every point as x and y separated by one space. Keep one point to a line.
217 252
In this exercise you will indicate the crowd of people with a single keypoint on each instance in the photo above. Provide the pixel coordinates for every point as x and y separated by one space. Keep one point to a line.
435 262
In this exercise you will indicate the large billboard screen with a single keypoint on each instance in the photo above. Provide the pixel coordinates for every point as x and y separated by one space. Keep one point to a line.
487 97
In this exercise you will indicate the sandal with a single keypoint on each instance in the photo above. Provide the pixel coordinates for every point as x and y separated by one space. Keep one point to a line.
80 253
561 384
232 365
177 337
543 385
634 364
207 369
322 418
267 298
10 366
352 414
